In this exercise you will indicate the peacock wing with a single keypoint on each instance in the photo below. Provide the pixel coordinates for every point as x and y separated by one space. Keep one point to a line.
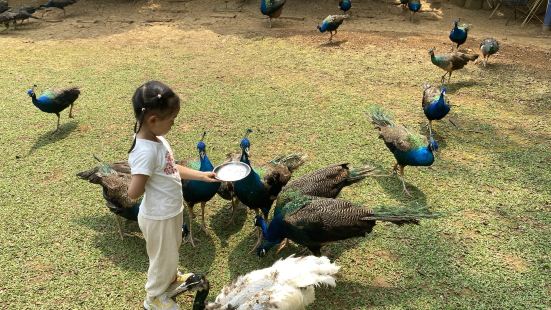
322 182
328 219
64 96
396 136
430 93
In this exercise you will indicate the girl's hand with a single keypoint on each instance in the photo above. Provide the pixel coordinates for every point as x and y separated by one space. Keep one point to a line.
209 177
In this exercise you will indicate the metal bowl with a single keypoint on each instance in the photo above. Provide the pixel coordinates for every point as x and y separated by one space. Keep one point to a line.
232 171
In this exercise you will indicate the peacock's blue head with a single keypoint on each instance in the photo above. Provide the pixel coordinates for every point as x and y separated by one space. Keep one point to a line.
456 23
442 94
433 145
30 92
263 249
201 146
258 220
245 144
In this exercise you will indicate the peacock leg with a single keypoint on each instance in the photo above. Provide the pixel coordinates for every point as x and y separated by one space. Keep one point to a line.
58 119
234 203
190 238
71 111
282 245
119 226
259 235
203 225
449 77
443 78
401 176
430 128
270 22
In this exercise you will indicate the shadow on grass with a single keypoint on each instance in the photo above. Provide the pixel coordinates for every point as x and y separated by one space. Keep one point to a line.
128 253
219 222
202 255
454 86
333 43
393 187
53 136
356 295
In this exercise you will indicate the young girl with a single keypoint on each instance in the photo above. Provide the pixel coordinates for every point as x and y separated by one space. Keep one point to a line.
158 178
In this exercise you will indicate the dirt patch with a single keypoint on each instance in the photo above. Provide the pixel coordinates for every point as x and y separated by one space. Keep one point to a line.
516 263
380 281
386 255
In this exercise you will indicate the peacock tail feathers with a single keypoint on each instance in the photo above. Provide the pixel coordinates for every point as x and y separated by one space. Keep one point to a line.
465 27
114 184
401 215
489 46
291 161
380 117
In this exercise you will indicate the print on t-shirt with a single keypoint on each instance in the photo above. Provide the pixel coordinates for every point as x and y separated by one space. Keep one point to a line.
170 167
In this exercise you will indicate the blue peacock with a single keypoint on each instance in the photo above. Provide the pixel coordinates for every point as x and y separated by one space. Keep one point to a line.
197 191
331 23
459 33
261 187
345 5
315 221
114 179
414 6
435 103
55 101
272 9
409 149
488 47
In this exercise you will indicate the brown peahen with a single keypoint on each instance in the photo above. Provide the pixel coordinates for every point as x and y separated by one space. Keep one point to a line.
114 179
451 62
315 221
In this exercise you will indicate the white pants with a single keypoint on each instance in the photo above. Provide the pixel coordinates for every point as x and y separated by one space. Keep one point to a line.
162 241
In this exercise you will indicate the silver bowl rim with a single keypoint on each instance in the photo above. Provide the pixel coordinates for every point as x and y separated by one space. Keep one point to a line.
232 163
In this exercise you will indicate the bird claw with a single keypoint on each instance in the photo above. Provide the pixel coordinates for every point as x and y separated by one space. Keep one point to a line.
190 240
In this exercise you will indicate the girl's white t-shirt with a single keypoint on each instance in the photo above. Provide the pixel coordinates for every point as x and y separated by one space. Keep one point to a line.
163 190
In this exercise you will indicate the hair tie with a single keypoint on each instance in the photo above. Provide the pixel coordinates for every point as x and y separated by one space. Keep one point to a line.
143 109
159 96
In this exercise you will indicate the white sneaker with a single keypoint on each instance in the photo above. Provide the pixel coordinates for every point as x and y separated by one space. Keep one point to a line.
161 302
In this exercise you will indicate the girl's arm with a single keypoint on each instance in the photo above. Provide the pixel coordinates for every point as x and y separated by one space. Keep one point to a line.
137 186
190 174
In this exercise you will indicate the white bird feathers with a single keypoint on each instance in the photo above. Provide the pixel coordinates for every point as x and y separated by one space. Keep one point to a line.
287 285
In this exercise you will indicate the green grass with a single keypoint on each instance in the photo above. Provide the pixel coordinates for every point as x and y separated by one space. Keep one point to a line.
60 248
